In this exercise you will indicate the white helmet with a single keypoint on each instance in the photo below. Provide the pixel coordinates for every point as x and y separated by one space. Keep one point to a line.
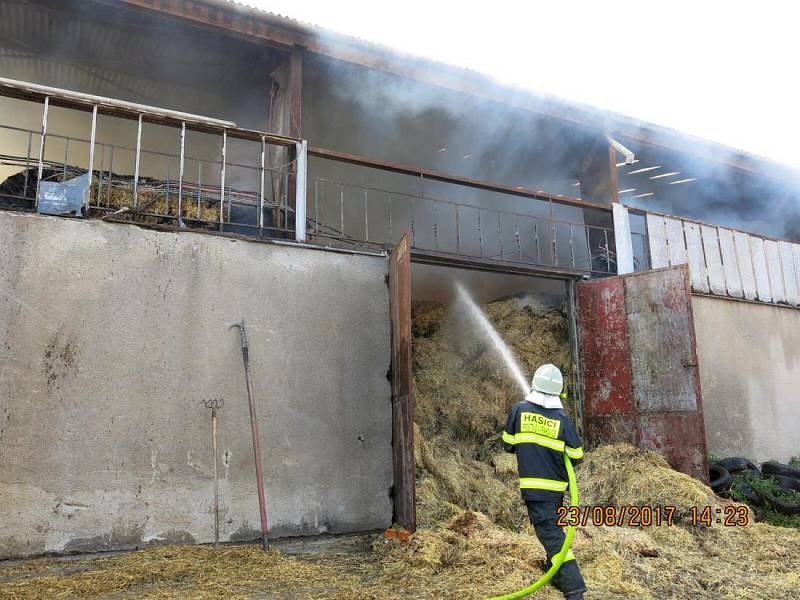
548 380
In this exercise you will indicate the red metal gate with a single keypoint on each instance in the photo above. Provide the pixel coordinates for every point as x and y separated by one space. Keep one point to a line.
405 512
639 366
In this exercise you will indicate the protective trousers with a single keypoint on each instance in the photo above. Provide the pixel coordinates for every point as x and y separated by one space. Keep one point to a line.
543 517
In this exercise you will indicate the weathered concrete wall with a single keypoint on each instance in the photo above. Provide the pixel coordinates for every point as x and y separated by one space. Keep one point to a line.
111 337
749 358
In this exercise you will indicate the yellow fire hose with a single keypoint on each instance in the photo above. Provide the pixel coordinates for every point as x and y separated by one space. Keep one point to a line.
558 559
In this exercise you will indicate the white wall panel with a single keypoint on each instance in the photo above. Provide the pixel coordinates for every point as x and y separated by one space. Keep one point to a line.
657 236
760 268
716 275
789 275
694 248
730 264
775 272
744 259
675 242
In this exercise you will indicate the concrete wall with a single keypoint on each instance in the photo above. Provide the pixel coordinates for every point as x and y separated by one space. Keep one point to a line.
749 358
111 337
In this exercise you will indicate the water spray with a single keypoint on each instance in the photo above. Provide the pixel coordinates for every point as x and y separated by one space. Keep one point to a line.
499 345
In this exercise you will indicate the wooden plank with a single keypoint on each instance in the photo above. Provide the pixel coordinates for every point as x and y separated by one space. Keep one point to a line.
763 290
296 91
730 264
789 274
675 242
744 259
613 176
774 270
716 274
694 249
405 511
657 237
294 102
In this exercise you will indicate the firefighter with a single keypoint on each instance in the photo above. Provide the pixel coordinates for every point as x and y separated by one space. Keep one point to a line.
539 431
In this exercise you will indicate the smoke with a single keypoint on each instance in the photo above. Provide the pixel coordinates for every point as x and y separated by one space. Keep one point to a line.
395 118
766 203
400 119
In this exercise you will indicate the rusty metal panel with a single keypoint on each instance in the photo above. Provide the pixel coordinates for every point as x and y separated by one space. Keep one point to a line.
677 245
789 275
697 265
716 275
604 350
402 392
759 256
657 236
679 438
660 337
640 375
774 271
744 259
730 264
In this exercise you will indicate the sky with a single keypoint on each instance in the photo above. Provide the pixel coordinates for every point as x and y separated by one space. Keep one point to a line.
725 71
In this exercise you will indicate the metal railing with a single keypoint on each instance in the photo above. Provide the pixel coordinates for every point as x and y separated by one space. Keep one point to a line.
255 183
357 214
258 195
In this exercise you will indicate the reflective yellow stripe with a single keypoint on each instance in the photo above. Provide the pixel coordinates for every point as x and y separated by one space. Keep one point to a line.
570 556
542 440
575 453
534 483
533 438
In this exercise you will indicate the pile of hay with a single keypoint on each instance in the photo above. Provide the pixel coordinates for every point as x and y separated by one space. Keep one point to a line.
463 394
175 572
156 197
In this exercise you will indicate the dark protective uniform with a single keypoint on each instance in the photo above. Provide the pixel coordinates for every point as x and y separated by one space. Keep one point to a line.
540 436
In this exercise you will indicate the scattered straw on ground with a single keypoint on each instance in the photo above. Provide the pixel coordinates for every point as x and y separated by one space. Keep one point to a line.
474 541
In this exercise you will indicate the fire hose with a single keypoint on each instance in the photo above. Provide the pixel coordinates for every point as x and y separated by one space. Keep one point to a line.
559 558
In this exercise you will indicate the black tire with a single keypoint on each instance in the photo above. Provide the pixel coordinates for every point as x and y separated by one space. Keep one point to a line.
719 477
735 464
776 468
752 497
789 483
750 474
785 507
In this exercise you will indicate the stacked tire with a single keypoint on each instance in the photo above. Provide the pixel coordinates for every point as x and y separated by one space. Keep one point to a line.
738 474
787 478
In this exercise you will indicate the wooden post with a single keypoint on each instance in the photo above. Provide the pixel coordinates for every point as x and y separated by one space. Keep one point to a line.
613 179
405 512
294 101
